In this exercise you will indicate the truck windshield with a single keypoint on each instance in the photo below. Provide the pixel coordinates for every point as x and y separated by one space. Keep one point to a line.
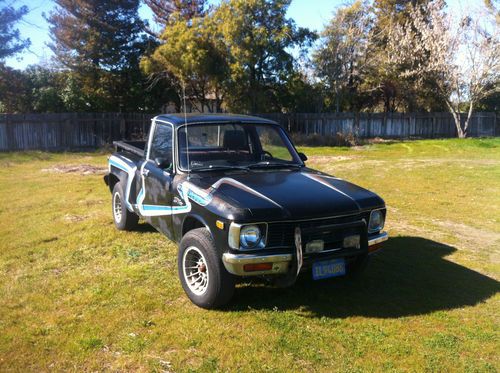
232 145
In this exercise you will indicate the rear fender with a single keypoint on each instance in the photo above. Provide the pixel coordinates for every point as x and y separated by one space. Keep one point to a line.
122 170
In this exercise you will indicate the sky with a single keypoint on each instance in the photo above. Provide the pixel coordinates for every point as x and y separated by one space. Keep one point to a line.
313 14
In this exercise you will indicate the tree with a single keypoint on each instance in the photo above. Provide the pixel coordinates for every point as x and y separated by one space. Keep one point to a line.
95 34
193 61
10 39
385 81
258 39
238 53
354 65
101 43
45 89
463 57
340 61
15 94
186 9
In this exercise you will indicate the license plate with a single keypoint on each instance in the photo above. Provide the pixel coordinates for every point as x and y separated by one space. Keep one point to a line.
328 268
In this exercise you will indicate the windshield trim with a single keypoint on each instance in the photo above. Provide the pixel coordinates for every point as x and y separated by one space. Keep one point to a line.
286 140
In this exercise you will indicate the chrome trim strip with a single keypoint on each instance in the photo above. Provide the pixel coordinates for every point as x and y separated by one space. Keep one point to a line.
378 239
233 236
234 263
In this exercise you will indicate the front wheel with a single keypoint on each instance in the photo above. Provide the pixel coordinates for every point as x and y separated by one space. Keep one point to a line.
201 272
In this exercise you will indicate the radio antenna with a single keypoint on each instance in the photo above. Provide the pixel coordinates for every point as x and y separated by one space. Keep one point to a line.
186 126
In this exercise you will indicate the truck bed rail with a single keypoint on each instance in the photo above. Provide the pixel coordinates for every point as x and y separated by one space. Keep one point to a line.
135 147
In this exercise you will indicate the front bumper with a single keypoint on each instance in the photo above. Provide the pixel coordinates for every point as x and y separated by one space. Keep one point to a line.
235 263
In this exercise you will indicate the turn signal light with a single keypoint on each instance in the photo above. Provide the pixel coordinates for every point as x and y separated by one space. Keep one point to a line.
254 267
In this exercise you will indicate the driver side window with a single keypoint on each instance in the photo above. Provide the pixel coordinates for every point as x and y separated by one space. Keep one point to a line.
161 145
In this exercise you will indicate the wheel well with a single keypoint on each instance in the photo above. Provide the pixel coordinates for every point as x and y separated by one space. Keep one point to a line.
112 180
191 223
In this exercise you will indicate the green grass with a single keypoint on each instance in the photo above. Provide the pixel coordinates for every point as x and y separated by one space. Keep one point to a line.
77 295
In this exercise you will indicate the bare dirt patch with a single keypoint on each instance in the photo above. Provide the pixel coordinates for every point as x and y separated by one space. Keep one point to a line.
471 239
326 158
475 237
419 163
81 169
74 218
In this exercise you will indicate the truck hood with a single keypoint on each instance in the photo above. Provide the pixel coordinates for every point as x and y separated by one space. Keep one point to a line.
285 194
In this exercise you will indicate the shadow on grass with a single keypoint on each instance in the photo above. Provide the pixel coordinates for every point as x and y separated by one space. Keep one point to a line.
145 228
409 277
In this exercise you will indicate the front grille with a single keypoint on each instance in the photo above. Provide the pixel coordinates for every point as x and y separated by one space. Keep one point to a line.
281 234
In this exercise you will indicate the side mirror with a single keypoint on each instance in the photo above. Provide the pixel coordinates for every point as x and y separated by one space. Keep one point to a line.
163 163
303 157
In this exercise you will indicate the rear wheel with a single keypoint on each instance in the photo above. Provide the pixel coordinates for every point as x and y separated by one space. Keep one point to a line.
124 219
201 272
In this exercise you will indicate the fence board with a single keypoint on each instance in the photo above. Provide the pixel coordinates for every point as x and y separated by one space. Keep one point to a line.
75 131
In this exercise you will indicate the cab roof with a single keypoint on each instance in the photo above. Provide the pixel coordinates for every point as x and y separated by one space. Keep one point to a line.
178 119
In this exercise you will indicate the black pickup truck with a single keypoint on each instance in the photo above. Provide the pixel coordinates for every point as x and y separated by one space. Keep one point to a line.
236 195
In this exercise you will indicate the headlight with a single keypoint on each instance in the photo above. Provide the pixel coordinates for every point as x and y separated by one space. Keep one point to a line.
376 221
250 236
247 237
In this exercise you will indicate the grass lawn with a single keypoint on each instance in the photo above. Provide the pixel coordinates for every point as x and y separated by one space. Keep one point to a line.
77 295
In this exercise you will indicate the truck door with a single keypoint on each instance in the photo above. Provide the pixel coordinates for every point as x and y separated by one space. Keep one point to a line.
155 199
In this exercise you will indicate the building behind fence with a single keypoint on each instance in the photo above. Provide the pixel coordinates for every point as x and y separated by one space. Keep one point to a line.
74 131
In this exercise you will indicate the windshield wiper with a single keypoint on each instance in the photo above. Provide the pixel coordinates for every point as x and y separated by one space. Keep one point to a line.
274 165
219 168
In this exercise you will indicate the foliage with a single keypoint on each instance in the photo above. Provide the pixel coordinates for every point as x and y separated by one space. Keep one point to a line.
298 94
185 9
462 56
340 60
100 43
238 53
75 294
354 64
15 95
257 38
190 56
45 87
10 40
95 34
247 56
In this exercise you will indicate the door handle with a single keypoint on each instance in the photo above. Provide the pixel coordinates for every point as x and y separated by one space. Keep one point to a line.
145 172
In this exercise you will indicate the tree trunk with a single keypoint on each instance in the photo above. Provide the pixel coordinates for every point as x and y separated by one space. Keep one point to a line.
456 117
469 115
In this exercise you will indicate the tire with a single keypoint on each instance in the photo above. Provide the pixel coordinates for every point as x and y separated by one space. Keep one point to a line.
201 271
124 219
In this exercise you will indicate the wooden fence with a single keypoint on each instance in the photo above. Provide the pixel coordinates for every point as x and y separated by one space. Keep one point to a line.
391 125
75 131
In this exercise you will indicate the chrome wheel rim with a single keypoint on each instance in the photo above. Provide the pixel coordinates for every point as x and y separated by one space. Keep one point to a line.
117 207
195 270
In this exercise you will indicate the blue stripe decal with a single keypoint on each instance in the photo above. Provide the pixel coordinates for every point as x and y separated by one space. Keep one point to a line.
118 165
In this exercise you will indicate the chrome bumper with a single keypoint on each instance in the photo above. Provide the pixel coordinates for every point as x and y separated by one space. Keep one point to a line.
379 238
235 263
